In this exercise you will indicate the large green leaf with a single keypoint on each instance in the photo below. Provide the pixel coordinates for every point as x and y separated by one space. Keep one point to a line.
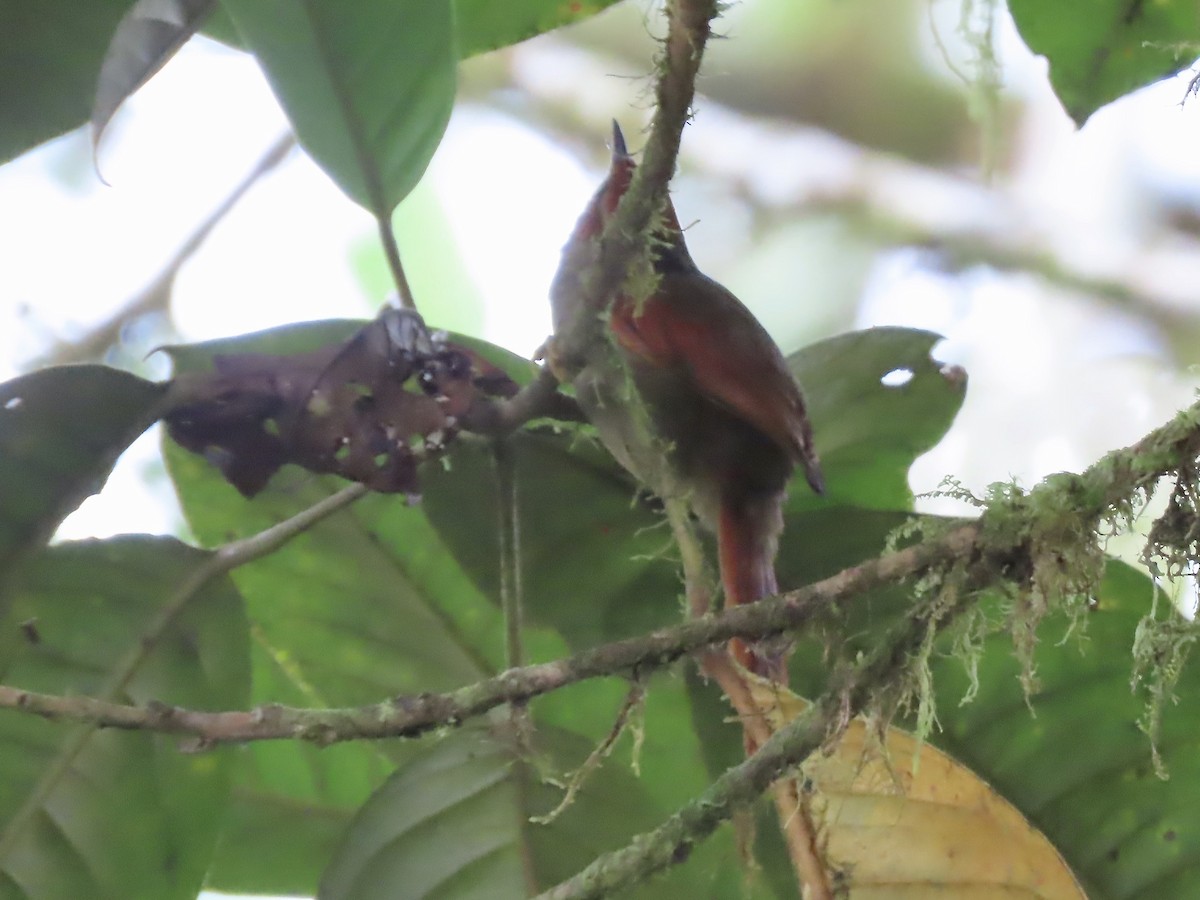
50 53
868 432
61 430
579 514
1100 50
368 87
110 814
485 25
446 825
376 549
1074 759
453 823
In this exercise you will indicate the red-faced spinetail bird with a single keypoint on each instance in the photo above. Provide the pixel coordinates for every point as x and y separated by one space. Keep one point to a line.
727 419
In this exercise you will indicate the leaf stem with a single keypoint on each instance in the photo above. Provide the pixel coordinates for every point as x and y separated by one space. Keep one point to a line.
391 251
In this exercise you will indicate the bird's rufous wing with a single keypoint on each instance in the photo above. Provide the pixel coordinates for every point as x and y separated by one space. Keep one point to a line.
695 323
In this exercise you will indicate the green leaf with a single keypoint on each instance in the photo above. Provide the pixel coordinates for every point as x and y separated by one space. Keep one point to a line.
49 56
867 433
452 822
315 793
485 25
52 52
145 40
1075 753
61 431
579 514
447 824
291 801
364 606
1100 50
111 814
351 607
368 87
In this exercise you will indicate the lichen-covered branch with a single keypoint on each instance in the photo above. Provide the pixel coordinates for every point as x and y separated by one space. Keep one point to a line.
1010 531
1015 540
624 239
411 715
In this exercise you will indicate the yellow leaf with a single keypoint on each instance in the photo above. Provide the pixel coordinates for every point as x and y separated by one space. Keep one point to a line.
900 819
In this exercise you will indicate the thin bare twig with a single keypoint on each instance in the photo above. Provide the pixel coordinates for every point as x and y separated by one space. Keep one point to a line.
157 295
415 714
634 698
223 561
540 398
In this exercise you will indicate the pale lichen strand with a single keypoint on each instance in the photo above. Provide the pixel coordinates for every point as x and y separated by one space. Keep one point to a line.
1046 549
1163 638
1161 645
943 594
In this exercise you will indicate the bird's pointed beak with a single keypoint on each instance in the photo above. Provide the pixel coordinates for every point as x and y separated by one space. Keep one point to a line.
618 142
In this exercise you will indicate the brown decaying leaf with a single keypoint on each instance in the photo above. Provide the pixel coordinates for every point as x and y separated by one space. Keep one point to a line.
897 818
370 409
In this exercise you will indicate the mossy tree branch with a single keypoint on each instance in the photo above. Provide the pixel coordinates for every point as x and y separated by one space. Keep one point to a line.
1029 541
1002 546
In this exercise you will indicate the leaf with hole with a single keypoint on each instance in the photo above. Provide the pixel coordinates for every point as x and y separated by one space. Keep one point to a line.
370 408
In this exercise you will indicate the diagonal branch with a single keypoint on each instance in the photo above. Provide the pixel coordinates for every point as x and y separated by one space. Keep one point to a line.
991 551
412 715
624 238
157 295
671 842
1000 536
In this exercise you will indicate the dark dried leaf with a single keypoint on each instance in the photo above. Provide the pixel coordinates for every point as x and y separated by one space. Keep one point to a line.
370 409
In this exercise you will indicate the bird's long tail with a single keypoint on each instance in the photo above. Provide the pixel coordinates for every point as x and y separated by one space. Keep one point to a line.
747 539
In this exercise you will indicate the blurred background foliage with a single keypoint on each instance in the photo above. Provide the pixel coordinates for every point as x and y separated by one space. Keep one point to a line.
850 164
